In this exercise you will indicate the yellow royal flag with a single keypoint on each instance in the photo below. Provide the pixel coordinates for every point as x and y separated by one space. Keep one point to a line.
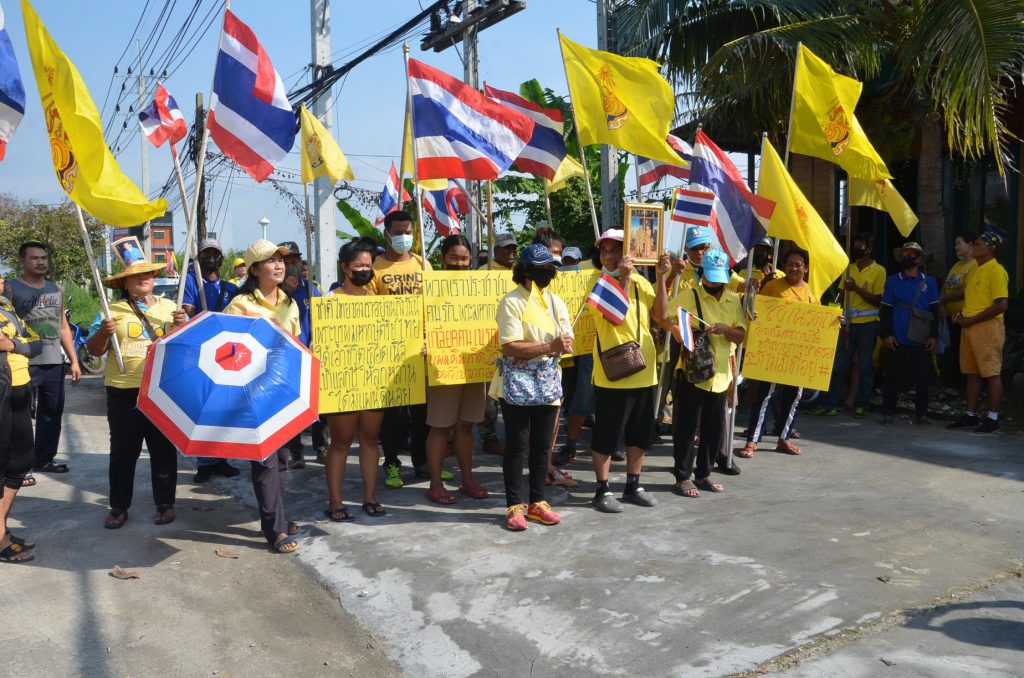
882 195
569 168
85 167
620 101
823 123
321 155
795 219
407 158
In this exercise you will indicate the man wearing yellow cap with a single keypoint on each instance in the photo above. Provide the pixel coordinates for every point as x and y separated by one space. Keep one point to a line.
239 267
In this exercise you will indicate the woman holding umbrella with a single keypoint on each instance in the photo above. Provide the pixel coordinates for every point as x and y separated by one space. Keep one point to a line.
137 319
356 264
261 296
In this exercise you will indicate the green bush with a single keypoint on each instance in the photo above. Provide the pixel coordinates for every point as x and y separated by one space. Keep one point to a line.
83 304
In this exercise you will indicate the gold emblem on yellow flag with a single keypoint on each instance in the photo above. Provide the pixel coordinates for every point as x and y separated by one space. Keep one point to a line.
837 129
615 111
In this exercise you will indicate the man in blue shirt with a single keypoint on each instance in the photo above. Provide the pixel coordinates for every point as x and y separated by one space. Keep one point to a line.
909 328
218 293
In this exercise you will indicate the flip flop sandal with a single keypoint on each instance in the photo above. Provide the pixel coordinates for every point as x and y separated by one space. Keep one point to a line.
709 486
161 514
13 551
293 529
280 544
50 467
28 481
687 486
374 509
474 490
24 543
116 519
442 496
339 515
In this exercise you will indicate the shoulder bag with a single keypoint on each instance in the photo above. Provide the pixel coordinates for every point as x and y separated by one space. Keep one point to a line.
919 327
626 359
699 364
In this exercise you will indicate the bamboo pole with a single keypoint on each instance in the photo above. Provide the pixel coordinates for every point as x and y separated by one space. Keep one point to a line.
99 284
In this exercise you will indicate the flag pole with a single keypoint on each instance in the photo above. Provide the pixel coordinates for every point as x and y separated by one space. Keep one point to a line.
490 217
639 189
99 284
583 154
190 246
547 201
789 132
415 161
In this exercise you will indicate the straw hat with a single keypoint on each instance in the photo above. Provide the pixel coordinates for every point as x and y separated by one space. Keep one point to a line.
129 253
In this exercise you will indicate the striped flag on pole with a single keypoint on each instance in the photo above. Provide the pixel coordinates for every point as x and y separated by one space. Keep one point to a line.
162 120
650 171
609 299
543 154
12 89
460 133
250 118
445 207
692 207
685 331
389 201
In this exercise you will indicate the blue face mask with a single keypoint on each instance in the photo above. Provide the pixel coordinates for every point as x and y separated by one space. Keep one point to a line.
570 267
614 274
401 243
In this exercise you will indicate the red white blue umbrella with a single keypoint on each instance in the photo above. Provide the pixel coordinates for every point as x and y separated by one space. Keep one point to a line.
230 386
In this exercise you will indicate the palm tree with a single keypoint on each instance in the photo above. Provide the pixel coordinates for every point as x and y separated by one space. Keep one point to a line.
931 67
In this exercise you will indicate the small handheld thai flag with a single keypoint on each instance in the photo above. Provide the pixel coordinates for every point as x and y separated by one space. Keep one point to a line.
609 299
389 196
692 207
12 90
162 120
685 331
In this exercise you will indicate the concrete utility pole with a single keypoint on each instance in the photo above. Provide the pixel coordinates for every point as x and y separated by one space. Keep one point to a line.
611 214
471 62
147 241
326 241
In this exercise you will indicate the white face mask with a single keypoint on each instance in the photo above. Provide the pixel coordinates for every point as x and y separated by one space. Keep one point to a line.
614 274
401 243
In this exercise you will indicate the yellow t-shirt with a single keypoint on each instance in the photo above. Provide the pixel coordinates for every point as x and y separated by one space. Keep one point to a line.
398 277
783 290
957 280
286 313
135 341
985 284
688 279
587 265
529 315
495 266
609 336
370 292
872 279
23 337
729 311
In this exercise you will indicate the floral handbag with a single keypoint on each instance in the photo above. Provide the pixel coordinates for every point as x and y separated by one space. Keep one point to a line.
531 383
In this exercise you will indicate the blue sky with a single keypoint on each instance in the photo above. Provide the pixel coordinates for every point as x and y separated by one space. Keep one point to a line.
369 102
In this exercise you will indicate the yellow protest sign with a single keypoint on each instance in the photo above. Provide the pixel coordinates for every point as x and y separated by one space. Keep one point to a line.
461 309
573 287
792 343
369 351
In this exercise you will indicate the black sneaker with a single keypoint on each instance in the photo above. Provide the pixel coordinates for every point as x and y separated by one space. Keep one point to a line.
223 468
203 474
965 421
640 497
563 455
988 426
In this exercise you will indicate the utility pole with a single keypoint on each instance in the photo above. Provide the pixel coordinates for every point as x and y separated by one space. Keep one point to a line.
147 241
471 60
326 241
610 199
200 215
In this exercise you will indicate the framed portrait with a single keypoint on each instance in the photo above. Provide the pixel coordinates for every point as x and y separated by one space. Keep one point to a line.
643 232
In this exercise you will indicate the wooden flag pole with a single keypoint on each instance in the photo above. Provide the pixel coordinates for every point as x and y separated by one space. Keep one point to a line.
789 135
547 202
583 155
190 251
490 218
636 167
99 284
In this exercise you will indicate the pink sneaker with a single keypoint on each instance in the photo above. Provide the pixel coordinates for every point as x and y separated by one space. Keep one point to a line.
515 517
542 513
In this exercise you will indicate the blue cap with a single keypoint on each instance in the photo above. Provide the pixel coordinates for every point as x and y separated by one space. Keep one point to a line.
697 235
716 266
538 255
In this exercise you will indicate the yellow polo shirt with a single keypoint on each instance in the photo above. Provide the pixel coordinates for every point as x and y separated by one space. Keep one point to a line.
985 284
134 340
956 280
286 312
495 266
729 311
609 336
872 279
398 277
781 289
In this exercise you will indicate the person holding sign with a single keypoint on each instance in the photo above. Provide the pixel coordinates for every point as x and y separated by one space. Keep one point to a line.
703 375
793 287
138 318
909 329
355 261
455 406
623 401
262 296
534 332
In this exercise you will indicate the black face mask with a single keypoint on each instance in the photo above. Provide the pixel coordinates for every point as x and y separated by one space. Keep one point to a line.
210 265
760 258
456 267
361 277
541 276
711 290
908 262
858 253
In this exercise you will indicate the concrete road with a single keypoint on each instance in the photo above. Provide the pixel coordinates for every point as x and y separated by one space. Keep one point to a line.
836 556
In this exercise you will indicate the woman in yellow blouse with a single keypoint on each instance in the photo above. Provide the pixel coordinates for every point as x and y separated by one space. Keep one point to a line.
261 296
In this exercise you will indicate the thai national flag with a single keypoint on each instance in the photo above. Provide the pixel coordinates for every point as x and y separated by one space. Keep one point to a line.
546 149
692 207
389 196
650 171
12 90
685 331
445 207
162 120
608 298
740 218
458 131
250 117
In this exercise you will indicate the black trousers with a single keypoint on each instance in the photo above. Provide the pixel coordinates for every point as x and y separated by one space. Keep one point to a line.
763 396
268 484
528 433
48 385
22 452
401 425
952 377
693 407
128 428
5 417
907 364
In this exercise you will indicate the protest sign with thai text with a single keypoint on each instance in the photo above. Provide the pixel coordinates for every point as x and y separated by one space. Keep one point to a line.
792 343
